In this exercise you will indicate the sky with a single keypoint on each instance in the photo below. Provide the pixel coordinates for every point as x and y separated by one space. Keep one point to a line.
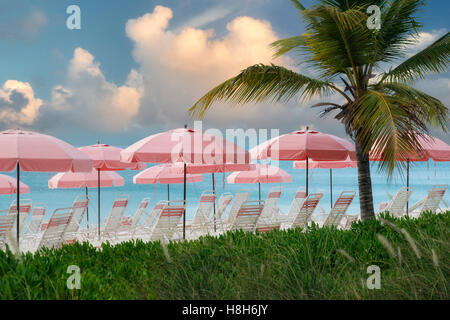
135 67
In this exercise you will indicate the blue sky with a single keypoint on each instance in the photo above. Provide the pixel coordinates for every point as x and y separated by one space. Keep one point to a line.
36 48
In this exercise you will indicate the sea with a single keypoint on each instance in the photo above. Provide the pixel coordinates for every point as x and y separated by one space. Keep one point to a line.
423 175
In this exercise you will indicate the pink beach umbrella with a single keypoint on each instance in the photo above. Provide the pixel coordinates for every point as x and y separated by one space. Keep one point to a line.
433 148
261 174
305 145
86 180
107 158
32 151
348 163
163 174
8 185
185 145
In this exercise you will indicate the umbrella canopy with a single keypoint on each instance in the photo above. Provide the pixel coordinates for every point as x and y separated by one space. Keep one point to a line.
89 180
261 174
347 163
107 158
211 168
185 145
8 185
305 144
33 151
163 174
433 148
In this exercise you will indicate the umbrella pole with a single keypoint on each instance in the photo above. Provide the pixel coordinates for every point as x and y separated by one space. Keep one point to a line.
259 191
307 169
18 205
214 204
184 198
331 188
407 184
98 191
87 209
168 192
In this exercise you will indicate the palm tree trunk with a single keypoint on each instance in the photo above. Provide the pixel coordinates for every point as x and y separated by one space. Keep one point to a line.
364 183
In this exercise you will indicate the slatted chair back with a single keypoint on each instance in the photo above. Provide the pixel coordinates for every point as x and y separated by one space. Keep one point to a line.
296 204
223 203
247 216
339 209
55 229
239 199
139 212
434 198
154 214
37 216
205 205
398 203
113 222
6 224
271 204
24 212
168 220
79 207
307 209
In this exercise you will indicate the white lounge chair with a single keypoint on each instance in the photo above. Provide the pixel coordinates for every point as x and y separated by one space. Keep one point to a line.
24 212
397 205
139 213
37 216
296 204
431 202
167 221
113 222
268 218
149 219
6 224
53 235
339 209
239 199
128 225
247 215
222 204
303 216
201 222
79 207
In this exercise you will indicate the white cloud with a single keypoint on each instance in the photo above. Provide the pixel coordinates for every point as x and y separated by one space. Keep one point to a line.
18 105
88 101
179 67
424 39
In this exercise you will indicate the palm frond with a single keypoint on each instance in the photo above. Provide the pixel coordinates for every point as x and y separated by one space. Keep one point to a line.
397 28
298 5
383 124
285 45
430 111
260 83
433 59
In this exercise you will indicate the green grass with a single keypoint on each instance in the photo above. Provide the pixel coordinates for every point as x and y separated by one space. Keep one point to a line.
322 263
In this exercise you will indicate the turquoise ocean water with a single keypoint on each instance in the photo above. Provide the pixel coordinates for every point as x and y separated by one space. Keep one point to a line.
422 177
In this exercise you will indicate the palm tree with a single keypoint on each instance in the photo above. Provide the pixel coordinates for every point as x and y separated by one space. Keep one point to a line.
344 56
